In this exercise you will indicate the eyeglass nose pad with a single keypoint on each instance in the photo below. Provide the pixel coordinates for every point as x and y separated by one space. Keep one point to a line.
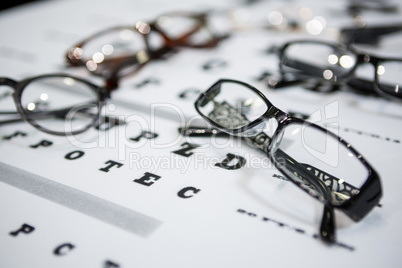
277 141
255 130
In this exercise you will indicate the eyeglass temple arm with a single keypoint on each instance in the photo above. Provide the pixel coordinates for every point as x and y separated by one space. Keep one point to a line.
201 132
367 35
306 68
297 77
358 84
59 113
327 227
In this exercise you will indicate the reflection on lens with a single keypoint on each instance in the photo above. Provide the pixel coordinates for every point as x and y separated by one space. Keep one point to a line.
31 106
143 27
380 70
44 97
332 59
98 57
389 78
275 17
69 81
91 65
107 49
316 25
328 74
142 56
75 53
319 163
126 35
47 102
164 21
346 61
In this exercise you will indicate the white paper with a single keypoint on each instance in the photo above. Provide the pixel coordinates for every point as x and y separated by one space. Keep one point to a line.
192 213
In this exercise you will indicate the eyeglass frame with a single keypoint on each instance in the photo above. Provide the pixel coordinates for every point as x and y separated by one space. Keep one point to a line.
102 93
169 46
361 58
356 207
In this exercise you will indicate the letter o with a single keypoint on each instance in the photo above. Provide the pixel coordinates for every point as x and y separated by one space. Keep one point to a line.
74 155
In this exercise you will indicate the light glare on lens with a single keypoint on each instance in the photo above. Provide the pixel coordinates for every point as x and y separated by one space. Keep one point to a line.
381 70
143 27
346 61
295 131
275 17
164 21
98 57
142 56
248 102
328 74
44 97
91 65
316 25
126 35
31 106
75 53
69 81
107 49
333 59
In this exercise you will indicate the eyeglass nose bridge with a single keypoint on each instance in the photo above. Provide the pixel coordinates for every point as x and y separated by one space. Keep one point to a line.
274 113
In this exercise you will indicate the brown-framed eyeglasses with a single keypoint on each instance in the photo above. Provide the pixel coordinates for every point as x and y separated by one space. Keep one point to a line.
122 50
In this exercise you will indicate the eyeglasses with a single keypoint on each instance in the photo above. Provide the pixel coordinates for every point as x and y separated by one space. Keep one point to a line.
122 50
57 104
313 158
337 63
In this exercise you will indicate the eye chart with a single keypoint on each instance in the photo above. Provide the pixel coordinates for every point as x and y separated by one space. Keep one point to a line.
140 194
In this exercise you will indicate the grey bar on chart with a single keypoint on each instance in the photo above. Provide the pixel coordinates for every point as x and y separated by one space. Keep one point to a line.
79 201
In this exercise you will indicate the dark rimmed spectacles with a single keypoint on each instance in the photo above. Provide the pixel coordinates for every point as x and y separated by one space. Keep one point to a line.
122 50
324 62
313 158
57 104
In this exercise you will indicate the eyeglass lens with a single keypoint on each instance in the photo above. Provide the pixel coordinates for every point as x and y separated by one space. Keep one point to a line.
126 49
306 153
117 46
332 63
389 76
60 104
232 106
318 60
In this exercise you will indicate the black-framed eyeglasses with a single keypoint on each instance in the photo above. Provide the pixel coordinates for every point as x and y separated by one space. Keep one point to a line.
313 158
57 104
337 63
118 51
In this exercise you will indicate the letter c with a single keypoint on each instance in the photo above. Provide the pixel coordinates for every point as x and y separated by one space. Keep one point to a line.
183 193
